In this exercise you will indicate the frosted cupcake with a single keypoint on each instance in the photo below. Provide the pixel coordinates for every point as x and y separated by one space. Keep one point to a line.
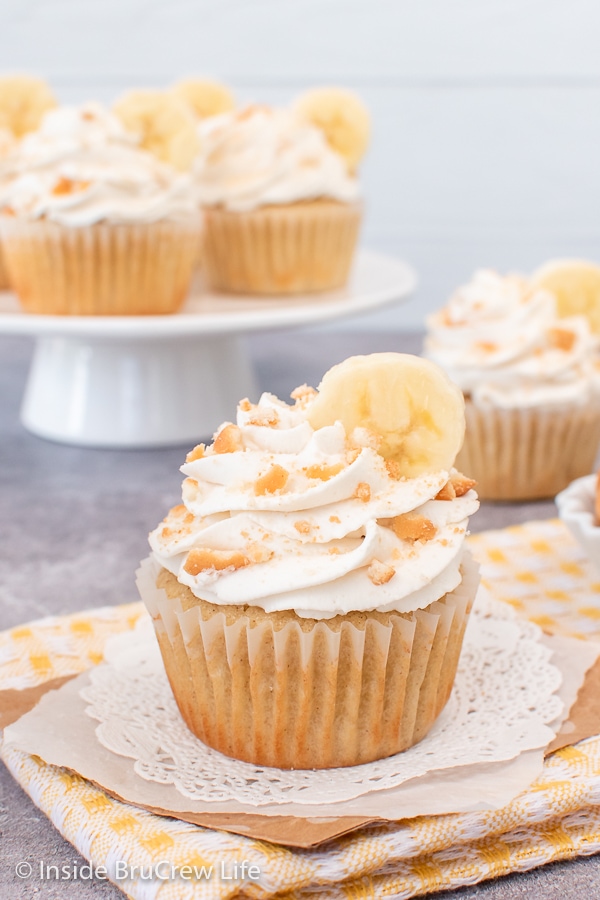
281 210
532 393
7 147
23 101
92 224
313 587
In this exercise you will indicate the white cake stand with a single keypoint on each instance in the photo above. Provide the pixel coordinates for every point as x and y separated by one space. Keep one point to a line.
152 381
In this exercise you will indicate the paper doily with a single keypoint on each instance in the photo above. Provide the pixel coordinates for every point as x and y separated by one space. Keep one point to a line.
501 705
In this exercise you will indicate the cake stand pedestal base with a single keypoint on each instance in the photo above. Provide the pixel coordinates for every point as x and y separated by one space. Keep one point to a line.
134 393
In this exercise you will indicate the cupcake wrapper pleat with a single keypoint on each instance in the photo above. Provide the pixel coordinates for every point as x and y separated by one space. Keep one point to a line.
315 698
528 454
4 280
101 269
290 249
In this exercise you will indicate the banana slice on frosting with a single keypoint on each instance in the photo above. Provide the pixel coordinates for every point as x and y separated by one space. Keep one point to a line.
205 97
576 285
23 102
164 123
414 413
343 118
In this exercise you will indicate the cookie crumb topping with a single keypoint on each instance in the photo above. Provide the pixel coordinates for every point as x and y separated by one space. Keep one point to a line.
413 528
273 481
379 573
204 559
228 440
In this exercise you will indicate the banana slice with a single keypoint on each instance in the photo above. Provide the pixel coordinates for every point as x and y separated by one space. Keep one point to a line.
164 124
23 102
343 118
576 285
415 412
206 98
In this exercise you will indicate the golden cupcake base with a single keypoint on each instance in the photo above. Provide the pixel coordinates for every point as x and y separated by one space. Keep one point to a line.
528 454
286 249
103 269
275 689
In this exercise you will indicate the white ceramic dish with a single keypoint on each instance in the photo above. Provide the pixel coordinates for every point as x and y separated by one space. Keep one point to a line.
152 381
576 509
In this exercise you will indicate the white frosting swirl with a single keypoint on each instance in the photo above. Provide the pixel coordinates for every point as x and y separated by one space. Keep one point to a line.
258 156
311 545
500 340
82 167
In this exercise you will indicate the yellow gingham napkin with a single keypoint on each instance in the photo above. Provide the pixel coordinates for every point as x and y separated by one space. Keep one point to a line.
543 573
535 567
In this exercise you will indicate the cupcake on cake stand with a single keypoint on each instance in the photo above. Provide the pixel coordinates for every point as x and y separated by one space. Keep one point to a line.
152 381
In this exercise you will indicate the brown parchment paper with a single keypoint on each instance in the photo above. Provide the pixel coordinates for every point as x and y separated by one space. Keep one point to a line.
47 734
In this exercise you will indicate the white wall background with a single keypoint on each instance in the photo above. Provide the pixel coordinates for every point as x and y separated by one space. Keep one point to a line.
486 113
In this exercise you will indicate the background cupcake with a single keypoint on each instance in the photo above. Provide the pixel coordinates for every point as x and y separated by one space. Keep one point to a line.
575 284
24 100
92 224
162 123
313 587
282 210
532 395
7 147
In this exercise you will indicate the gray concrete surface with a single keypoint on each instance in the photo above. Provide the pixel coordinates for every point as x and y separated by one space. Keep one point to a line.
74 528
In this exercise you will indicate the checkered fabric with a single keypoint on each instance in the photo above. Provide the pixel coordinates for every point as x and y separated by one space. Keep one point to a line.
537 568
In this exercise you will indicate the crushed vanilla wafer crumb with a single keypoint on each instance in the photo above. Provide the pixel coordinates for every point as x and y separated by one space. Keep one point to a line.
204 559
457 486
272 481
176 512
228 440
413 528
302 526
393 469
69 186
196 453
461 483
177 522
323 472
446 493
363 491
561 338
265 417
379 573
303 394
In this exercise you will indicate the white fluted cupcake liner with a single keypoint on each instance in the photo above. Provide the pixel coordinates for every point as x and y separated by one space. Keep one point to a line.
277 690
102 269
528 454
287 249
